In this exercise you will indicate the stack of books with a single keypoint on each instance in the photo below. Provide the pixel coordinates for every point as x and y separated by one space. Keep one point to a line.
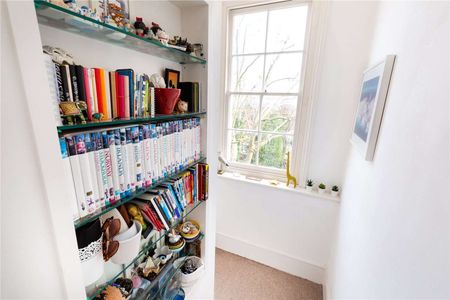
163 206
118 94
109 165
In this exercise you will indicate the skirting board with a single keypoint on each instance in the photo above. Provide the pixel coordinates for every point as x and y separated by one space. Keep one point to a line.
271 258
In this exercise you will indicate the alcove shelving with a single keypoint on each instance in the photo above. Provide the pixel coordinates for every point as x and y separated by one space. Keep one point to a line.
73 26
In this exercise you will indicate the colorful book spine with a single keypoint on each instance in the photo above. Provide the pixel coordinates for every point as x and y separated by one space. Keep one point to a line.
69 176
137 156
103 169
77 177
90 149
120 164
98 171
108 165
114 164
125 154
131 160
83 159
88 93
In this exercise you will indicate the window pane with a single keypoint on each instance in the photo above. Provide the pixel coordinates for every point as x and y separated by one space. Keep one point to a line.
246 73
283 72
287 29
249 33
243 147
278 113
244 112
273 149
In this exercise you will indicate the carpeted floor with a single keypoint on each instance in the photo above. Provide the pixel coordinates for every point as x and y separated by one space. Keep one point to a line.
239 278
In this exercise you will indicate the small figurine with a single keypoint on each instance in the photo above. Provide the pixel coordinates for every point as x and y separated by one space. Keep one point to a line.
59 55
84 11
136 214
71 112
157 81
176 243
94 15
139 27
198 49
97 116
160 34
289 176
181 107
118 15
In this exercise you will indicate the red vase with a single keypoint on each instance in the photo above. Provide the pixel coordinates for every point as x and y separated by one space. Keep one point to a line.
166 100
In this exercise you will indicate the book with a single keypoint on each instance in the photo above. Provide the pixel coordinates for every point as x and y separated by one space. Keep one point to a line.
120 164
108 166
66 82
52 76
103 169
114 164
126 84
69 176
74 83
98 171
131 160
88 93
107 91
120 96
79 72
190 93
113 92
93 90
101 101
90 150
76 175
83 160
129 73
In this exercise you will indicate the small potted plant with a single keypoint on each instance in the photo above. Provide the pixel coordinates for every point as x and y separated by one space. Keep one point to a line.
322 188
309 185
335 191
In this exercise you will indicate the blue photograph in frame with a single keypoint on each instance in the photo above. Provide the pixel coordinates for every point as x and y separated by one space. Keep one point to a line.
370 109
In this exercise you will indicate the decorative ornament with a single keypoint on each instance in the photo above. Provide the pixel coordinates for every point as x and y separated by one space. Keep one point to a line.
289 176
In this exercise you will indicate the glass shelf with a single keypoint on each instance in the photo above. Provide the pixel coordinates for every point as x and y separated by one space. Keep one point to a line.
63 18
121 122
89 218
150 245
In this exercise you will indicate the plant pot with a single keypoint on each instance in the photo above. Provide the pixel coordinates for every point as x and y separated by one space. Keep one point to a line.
309 188
89 239
334 193
166 100
128 248
321 191
188 280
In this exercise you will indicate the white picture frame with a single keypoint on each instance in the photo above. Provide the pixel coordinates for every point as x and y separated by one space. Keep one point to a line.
371 102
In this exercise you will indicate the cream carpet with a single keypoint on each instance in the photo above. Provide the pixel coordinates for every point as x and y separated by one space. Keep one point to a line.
239 278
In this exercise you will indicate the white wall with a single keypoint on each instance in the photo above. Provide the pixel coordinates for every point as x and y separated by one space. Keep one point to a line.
27 236
288 230
393 232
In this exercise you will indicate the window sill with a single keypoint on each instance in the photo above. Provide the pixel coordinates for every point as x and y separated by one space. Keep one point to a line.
281 186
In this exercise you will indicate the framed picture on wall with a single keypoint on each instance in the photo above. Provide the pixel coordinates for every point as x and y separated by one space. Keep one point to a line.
374 90
172 78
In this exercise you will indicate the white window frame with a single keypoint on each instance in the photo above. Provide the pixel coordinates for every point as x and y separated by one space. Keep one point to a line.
314 39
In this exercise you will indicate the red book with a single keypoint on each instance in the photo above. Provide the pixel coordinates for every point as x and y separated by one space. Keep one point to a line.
120 93
147 211
88 93
101 99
